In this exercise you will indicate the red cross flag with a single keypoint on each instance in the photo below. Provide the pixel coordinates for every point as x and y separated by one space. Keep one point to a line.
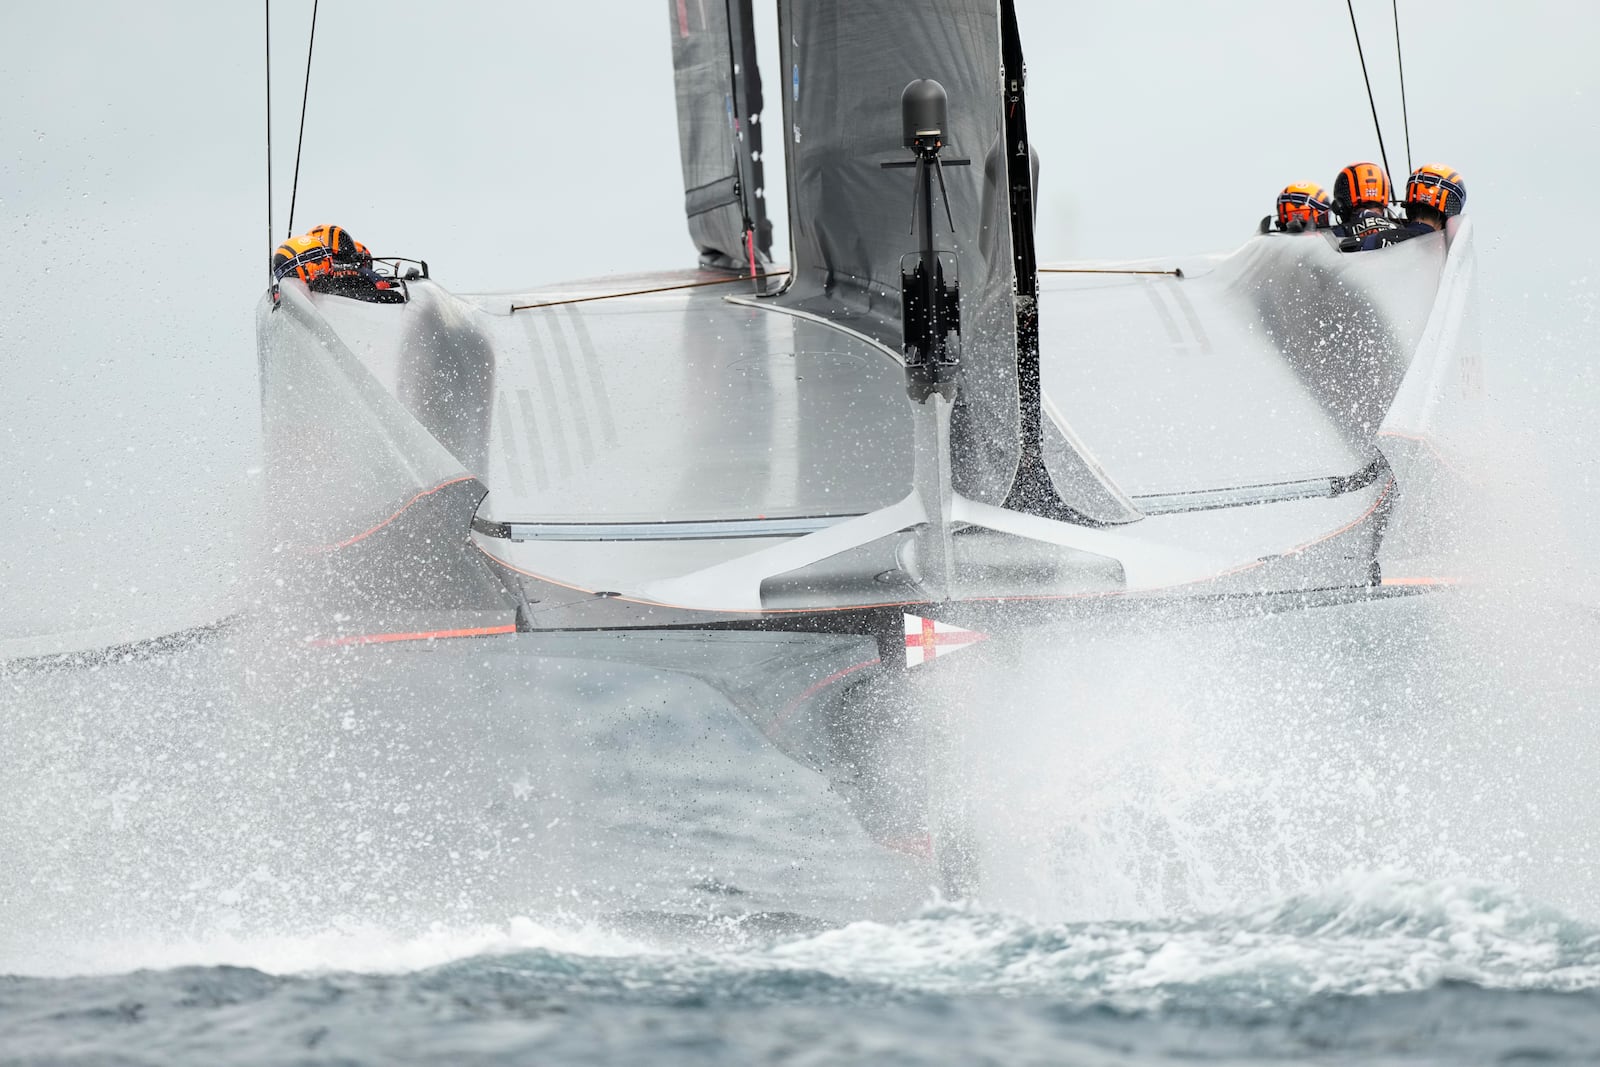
926 639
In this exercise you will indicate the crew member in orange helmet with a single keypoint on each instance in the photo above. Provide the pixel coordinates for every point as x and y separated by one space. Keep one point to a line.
351 260
1434 193
350 270
305 257
1302 207
345 249
1361 196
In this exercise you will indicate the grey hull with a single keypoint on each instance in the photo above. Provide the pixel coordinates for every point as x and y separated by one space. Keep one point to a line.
700 457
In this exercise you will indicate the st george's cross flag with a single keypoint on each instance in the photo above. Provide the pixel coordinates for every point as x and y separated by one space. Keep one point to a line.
926 639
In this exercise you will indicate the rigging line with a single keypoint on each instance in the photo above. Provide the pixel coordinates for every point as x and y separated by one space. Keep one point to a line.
1400 60
267 10
1382 152
1176 272
647 292
305 94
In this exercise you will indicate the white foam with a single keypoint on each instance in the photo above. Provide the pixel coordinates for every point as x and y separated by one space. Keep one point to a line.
354 947
1366 934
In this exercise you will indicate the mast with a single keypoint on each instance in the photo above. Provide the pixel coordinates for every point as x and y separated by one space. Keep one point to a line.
1032 491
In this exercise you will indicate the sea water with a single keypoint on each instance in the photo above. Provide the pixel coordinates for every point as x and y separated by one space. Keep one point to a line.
1358 835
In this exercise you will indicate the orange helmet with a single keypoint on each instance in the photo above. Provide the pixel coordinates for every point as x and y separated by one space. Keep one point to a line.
305 257
1437 186
1304 202
1360 185
343 247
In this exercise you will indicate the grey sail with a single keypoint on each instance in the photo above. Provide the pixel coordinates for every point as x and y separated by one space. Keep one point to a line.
847 64
719 132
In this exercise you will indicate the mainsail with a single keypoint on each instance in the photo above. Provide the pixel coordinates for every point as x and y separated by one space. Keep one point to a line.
845 66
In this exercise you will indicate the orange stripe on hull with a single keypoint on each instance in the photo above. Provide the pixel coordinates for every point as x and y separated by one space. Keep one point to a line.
412 635
363 535
817 687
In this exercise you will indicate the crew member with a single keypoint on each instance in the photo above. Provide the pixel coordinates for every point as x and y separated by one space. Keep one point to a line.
1434 193
305 257
345 249
350 270
1361 200
1302 206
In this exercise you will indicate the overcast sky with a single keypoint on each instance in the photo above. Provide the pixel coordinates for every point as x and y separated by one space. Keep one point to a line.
512 144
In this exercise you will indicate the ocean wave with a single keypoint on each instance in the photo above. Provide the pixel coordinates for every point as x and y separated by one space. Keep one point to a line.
357 948
1365 934
1453 971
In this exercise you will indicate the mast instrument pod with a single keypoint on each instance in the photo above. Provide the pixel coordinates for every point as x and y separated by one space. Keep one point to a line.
930 306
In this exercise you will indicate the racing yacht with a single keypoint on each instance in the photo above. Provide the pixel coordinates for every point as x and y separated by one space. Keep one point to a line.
768 470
